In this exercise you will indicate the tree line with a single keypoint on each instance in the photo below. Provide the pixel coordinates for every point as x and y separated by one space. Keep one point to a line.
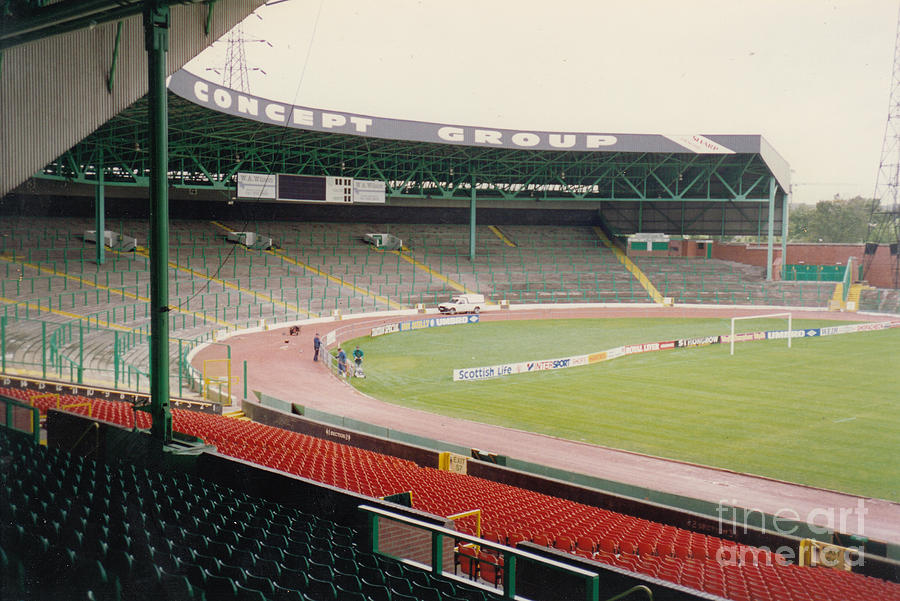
839 220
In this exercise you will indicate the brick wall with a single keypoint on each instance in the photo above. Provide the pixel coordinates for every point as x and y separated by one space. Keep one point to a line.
880 272
749 254
408 542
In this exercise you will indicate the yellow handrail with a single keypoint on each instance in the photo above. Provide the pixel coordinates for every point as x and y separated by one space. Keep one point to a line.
631 267
466 514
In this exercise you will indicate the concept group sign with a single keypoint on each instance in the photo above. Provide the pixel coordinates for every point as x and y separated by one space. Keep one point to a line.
218 98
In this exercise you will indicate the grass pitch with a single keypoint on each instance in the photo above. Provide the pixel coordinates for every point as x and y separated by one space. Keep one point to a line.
823 413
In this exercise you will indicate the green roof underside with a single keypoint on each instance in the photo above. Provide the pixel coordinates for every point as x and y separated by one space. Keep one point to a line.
676 193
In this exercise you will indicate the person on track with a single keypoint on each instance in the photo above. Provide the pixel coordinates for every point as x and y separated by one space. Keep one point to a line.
357 357
342 362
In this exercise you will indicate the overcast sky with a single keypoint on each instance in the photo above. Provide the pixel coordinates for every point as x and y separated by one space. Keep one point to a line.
813 77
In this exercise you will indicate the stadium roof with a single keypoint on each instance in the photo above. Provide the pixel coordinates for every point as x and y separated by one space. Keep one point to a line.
69 66
695 184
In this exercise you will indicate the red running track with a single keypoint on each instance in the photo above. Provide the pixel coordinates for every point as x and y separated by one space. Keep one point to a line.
287 372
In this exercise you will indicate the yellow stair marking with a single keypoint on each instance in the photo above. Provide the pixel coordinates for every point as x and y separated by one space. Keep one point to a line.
222 226
280 254
122 293
226 284
238 415
853 295
73 278
40 309
837 298
284 257
630 266
502 236
452 283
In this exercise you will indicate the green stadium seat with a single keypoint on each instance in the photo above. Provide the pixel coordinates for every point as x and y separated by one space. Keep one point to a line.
376 592
244 593
347 582
345 595
296 561
294 579
166 560
259 583
246 543
208 562
271 552
34 548
12 576
282 593
443 586
94 577
322 589
220 588
370 574
425 593
398 584
320 571
230 571
243 558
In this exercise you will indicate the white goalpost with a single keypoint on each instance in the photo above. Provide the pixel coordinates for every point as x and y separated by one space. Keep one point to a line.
789 328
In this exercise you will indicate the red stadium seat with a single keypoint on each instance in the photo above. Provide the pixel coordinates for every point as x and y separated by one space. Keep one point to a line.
467 560
491 567
511 514
565 543
585 544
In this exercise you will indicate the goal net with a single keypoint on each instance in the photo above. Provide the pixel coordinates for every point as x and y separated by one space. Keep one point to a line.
734 320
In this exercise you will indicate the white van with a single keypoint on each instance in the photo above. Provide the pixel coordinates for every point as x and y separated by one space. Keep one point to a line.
463 303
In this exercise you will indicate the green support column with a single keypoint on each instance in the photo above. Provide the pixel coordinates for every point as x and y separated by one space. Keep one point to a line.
180 368
156 35
116 358
373 531
115 59
80 352
3 343
36 425
44 349
100 212
785 219
509 579
437 553
472 223
771 230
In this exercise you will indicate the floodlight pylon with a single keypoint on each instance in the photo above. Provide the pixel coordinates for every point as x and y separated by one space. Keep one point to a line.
235 72
884 218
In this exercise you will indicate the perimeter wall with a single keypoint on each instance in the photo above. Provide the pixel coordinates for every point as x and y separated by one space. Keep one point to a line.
880 273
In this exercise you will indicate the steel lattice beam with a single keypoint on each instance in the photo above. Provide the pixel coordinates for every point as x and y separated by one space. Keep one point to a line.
207 149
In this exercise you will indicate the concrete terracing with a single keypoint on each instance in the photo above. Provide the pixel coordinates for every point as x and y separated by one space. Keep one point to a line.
48 273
